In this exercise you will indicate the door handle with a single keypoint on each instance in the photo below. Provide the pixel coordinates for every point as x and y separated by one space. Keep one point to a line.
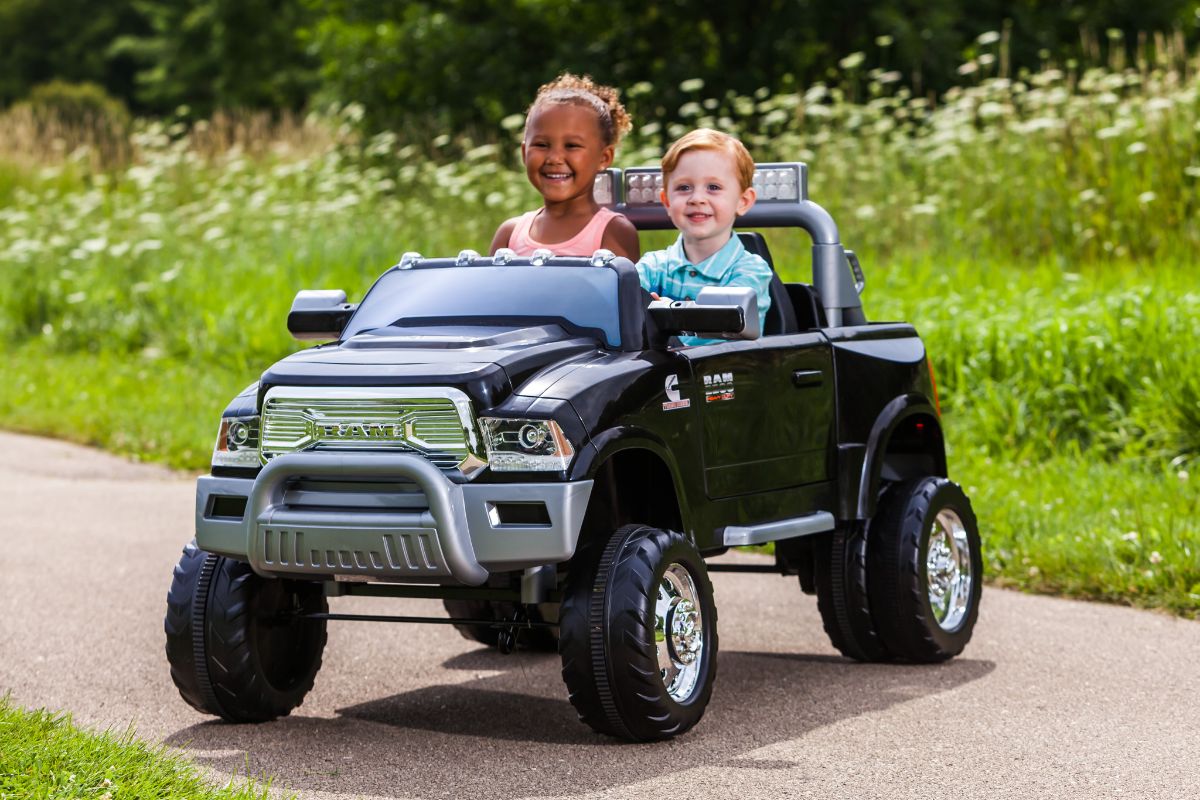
803 378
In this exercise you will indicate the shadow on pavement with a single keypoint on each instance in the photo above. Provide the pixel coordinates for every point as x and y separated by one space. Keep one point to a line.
492 737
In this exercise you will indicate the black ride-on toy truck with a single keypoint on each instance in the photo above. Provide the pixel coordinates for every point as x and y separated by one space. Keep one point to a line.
526 440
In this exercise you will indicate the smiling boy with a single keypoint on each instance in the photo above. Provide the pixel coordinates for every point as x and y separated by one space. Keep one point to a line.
708 183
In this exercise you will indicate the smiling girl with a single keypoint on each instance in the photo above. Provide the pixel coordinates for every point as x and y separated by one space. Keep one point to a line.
571 134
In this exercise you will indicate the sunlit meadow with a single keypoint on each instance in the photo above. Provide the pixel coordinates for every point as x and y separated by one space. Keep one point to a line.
1041 231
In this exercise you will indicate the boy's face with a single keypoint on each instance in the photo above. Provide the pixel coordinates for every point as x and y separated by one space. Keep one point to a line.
704 198
563 150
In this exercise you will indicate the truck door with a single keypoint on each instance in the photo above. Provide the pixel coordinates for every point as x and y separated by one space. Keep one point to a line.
767 413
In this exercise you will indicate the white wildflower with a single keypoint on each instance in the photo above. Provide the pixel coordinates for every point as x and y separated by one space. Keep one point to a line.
692 85
987 37
853 61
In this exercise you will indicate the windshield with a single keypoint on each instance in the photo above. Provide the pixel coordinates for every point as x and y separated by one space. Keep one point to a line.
582 299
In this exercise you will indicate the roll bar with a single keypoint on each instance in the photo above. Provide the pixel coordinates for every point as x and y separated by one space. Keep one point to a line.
783 202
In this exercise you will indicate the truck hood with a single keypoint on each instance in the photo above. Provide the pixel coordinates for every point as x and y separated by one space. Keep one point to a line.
487 362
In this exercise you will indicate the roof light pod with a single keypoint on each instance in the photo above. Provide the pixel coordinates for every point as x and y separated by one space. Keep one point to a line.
466 258
503 256
540 257
602 257
410 260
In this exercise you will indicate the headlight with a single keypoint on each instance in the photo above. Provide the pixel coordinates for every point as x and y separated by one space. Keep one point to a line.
526 445
237 443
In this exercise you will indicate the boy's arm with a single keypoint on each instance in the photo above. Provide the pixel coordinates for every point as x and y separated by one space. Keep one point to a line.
503 234
622 238
752 271
650 272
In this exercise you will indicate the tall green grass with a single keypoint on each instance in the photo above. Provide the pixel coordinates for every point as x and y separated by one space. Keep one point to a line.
1040 232
44 755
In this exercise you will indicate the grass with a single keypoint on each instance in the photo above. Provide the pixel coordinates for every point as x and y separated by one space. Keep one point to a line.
1116 532
44 755
1040 231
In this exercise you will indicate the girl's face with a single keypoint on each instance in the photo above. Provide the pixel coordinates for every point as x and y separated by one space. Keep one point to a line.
563 151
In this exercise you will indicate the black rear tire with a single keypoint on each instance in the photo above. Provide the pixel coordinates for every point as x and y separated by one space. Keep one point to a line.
231 652
540 639
842 594
618 597
910 515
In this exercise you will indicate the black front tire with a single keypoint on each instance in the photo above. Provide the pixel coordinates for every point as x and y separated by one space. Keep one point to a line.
233 653
925 606
618 597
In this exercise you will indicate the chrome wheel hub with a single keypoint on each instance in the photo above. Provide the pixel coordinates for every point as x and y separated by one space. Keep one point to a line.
948 570
678 632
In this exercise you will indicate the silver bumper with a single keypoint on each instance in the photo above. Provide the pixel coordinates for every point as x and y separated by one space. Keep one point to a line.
384 515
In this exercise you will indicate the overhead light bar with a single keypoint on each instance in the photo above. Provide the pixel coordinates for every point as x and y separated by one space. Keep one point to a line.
774 182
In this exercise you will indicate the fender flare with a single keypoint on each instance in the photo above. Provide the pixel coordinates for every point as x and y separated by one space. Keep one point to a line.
604 446
889 419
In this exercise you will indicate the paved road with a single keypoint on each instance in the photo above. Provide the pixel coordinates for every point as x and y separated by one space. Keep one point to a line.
1052 699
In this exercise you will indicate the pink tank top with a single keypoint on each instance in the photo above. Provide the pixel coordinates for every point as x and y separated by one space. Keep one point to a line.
584 243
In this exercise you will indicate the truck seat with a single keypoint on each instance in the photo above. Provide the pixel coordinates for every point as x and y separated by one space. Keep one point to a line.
781 317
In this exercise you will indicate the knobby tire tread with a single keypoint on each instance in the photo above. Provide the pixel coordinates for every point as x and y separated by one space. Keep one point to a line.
615 685
906 622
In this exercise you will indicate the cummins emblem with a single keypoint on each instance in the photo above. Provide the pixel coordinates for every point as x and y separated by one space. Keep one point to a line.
673 402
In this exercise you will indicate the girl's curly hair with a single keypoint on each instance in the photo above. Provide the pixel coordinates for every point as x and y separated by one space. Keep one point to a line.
568 89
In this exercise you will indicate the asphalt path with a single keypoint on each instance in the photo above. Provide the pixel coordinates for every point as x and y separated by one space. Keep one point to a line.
1052 698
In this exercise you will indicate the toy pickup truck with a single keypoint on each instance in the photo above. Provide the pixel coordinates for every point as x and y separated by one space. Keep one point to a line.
526 440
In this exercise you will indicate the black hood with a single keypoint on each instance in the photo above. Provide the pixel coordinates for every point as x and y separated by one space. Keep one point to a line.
487 362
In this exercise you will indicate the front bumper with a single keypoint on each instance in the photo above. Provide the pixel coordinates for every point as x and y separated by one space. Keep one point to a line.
390 516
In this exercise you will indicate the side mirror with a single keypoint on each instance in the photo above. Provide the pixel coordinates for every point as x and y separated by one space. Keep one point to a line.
319 314
718 312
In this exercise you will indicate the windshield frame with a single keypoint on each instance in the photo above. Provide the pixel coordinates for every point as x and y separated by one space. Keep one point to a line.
594 301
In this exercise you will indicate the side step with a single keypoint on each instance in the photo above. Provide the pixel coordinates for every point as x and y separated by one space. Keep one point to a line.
739 535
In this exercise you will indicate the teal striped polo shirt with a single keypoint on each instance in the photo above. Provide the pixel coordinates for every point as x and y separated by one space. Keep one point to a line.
669 273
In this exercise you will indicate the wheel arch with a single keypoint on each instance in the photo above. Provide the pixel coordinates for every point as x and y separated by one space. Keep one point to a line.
906 441
636 480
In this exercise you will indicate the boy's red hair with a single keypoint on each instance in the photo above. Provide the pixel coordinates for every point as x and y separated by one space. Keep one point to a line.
708 139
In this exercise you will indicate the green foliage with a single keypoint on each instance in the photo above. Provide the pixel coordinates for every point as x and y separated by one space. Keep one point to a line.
460 64
43 755
77 105
425 67
219 54
68 40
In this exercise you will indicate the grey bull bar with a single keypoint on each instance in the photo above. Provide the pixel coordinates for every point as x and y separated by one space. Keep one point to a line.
384 515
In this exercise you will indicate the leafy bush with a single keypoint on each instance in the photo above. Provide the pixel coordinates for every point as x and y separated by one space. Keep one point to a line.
67 117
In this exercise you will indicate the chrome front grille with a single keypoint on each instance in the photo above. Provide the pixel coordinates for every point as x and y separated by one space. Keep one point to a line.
437 424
